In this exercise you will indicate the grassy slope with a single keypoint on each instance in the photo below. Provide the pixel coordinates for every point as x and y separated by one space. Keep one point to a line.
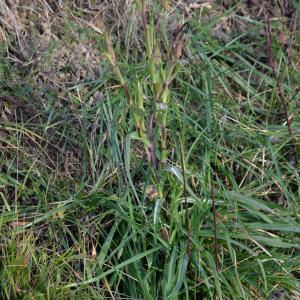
77 221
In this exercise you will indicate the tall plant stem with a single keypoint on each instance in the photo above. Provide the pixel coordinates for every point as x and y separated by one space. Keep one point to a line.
280 93
187 223
216 246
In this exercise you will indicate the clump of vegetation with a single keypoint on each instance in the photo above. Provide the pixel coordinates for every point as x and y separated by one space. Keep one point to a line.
171 173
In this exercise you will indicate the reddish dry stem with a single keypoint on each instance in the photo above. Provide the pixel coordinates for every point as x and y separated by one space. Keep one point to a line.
176 39
144 15
271 64
216 246
186 208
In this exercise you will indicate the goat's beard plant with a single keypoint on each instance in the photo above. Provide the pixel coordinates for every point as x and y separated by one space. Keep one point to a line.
162 68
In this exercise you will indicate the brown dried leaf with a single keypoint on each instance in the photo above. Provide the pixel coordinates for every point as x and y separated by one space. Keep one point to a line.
94 252
164 234
179 50
151 191
18 223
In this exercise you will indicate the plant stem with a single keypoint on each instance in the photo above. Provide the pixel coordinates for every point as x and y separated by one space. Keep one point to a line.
185 202
271 64
216 246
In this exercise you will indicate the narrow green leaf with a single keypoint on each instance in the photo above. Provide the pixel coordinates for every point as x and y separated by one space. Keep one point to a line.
116 268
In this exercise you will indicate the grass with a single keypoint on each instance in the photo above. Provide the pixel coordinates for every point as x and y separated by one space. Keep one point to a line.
86 212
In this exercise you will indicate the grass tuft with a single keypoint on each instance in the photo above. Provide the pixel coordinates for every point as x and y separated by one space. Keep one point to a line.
165 171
